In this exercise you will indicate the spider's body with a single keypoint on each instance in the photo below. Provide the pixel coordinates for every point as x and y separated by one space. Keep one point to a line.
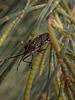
37 43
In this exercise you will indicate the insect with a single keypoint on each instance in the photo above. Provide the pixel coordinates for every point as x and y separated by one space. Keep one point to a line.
34 45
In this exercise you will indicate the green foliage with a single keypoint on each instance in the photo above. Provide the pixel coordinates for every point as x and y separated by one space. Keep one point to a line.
24 20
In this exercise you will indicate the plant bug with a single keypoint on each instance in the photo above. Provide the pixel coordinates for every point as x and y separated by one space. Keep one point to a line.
34 45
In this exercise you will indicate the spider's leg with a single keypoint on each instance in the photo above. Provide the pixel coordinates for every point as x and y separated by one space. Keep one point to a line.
23 59
31 62
40 50
12 57
20 62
